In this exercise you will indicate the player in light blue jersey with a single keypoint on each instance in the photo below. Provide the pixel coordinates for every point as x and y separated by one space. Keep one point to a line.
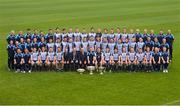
51 59
131 35
148 59
140 59
123 59
115 60
34 59
59 59
42 58
132 60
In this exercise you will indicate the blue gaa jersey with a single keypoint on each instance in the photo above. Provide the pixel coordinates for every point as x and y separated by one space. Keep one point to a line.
165 55
164 45
152 36
70 35
50 45
104 45
123 56
59 56
90 55
34 45
70 45
115 56
22 46
140 45
132 56
77 45
43 56
42 44
92 34
107 56
140 56
10 49
28 46
160 37
131 36
18 57
91 44
145 36
34 56
111 36
156 56
77 35
138 35
126 45
149 44
124 36
157 44
64 45
84 45
51 56
57 36
34 36
98 44
111 47
27 36
11 37
119 46
169 39
118 36
49 36
18 37
132 45
148 55
26 57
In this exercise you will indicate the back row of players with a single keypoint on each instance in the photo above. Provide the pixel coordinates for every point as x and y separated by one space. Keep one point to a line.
71 50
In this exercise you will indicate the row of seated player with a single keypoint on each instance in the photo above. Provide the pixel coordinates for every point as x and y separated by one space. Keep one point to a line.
126 61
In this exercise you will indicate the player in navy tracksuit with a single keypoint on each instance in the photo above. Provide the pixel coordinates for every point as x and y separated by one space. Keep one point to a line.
18 60
10 49
83 58
26 61
66 58
156 58
160 37
11 36
91 57
170 39
165 59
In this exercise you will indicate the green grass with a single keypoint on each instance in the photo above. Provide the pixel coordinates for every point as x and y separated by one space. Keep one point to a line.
72 88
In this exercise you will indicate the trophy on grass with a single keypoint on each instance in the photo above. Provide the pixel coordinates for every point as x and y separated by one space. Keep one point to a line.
91 69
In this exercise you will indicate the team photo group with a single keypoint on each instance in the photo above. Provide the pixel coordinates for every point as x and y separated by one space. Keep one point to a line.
98 50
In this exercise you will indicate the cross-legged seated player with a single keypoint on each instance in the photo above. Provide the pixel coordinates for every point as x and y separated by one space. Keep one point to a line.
51 59
132 59
34 59
59 60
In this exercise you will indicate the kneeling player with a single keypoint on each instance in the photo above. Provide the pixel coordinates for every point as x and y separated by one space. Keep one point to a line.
165 59
140 59
51 59
148 60
18 60
59 60
132 59
156 59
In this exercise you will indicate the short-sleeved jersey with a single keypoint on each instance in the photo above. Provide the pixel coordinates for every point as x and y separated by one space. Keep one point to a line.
107 56
34 56
18 57
140 56
51 56
26 57
165 55
123 56
43 55
132 56
59 56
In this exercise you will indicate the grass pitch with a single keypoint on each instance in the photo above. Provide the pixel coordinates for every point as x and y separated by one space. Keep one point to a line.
72 88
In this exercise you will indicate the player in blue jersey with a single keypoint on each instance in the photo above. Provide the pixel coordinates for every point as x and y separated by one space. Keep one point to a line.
10 50
165 59
18 57
26 61
170 39
11 36
156 59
